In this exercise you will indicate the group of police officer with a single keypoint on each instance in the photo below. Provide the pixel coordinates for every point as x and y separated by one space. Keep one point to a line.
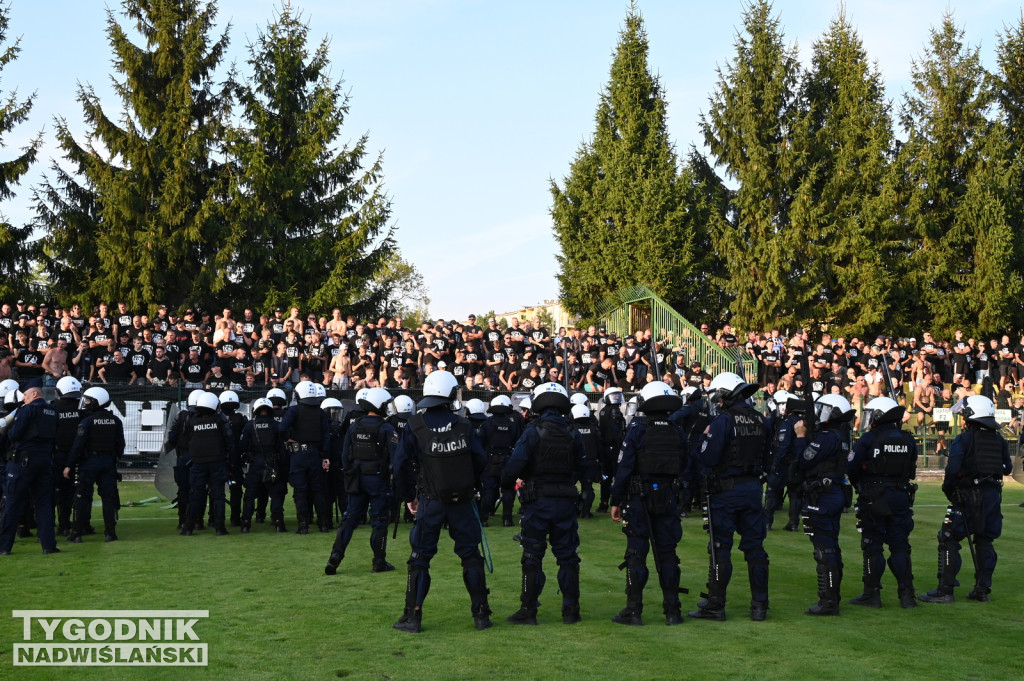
712 447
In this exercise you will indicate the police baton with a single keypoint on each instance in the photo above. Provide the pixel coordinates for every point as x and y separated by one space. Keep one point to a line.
708 525
962 503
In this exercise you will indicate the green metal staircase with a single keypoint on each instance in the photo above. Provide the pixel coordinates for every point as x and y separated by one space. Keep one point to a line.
637 308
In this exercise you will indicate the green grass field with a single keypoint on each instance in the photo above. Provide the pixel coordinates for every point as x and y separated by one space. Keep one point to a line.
275 615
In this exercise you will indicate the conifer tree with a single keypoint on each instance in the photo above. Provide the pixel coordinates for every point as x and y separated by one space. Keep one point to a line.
619 215
748 130
309 223
15 249
137 214
845 203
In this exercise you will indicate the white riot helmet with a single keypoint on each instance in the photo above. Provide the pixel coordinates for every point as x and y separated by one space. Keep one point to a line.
526 404
69 387
579 398
331 403
980 410
548 395
658 396
728 387
277 397
882 410
319 391
7 386
580 411
12 400
476 410
206 404
305 393
832 409
94 399
403 406
440 387
781 400
690 394
613 396
262 403
193 398
374 399
229 400
500 405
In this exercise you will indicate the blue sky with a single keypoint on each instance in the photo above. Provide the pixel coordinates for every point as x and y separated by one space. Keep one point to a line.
475 104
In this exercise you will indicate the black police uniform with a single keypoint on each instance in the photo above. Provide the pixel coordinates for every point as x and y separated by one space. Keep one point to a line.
693 417
261 449
613 428
652 467
784 453
883 462
731 459
498 435
176 440
29 474
236 478
68 417
98 444
590 432
441 455
310 429
973 483
366 459
549 457
210 444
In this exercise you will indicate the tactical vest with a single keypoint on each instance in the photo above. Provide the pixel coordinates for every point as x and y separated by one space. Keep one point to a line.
662 447
502 436
42 429
553 457
833 466
105 434
891 456
206 438
446 470
237 422
307 426
747 448
985 458
587 428
68 417
612 424
367 450
263 443
699 421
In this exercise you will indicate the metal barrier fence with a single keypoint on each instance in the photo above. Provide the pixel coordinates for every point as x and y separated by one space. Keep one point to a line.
147 412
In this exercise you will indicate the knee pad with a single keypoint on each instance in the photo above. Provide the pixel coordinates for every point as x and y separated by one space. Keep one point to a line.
821 554
574 559
531 559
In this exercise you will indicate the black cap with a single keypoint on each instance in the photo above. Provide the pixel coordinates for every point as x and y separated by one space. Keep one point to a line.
161 307
21 302
277 309
189 311
44 304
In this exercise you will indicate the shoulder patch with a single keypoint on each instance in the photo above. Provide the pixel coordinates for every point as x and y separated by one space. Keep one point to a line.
782 437
809 453
850 457
704 446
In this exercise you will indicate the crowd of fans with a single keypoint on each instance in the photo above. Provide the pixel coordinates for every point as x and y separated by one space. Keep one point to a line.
228 350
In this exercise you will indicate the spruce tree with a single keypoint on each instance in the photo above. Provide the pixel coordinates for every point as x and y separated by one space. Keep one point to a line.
137 216
15 249
955 164
619 216
844 205
309 221
748 130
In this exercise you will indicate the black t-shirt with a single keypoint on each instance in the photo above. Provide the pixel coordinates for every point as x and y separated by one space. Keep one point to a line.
138 361
116 372
33 357
160 368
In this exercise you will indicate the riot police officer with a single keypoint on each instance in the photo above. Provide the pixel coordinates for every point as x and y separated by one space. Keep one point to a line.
498 437
366 460
590 432
731 458
333 478
693 417
791 410
279 405
176 440
262 452
651 468
549 457
820 471
612 424
229 404
883 464
440 454
99 442
210 444
69 393
402 408
31 430
973 483
307 433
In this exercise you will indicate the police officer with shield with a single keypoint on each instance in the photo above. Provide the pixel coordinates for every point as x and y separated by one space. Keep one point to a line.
882 465
98 444
31 430
731 460
177 439
549 458
973 483
366 460
652 466
438 464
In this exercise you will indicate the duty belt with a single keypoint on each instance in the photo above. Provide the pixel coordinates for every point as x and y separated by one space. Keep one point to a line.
725 484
